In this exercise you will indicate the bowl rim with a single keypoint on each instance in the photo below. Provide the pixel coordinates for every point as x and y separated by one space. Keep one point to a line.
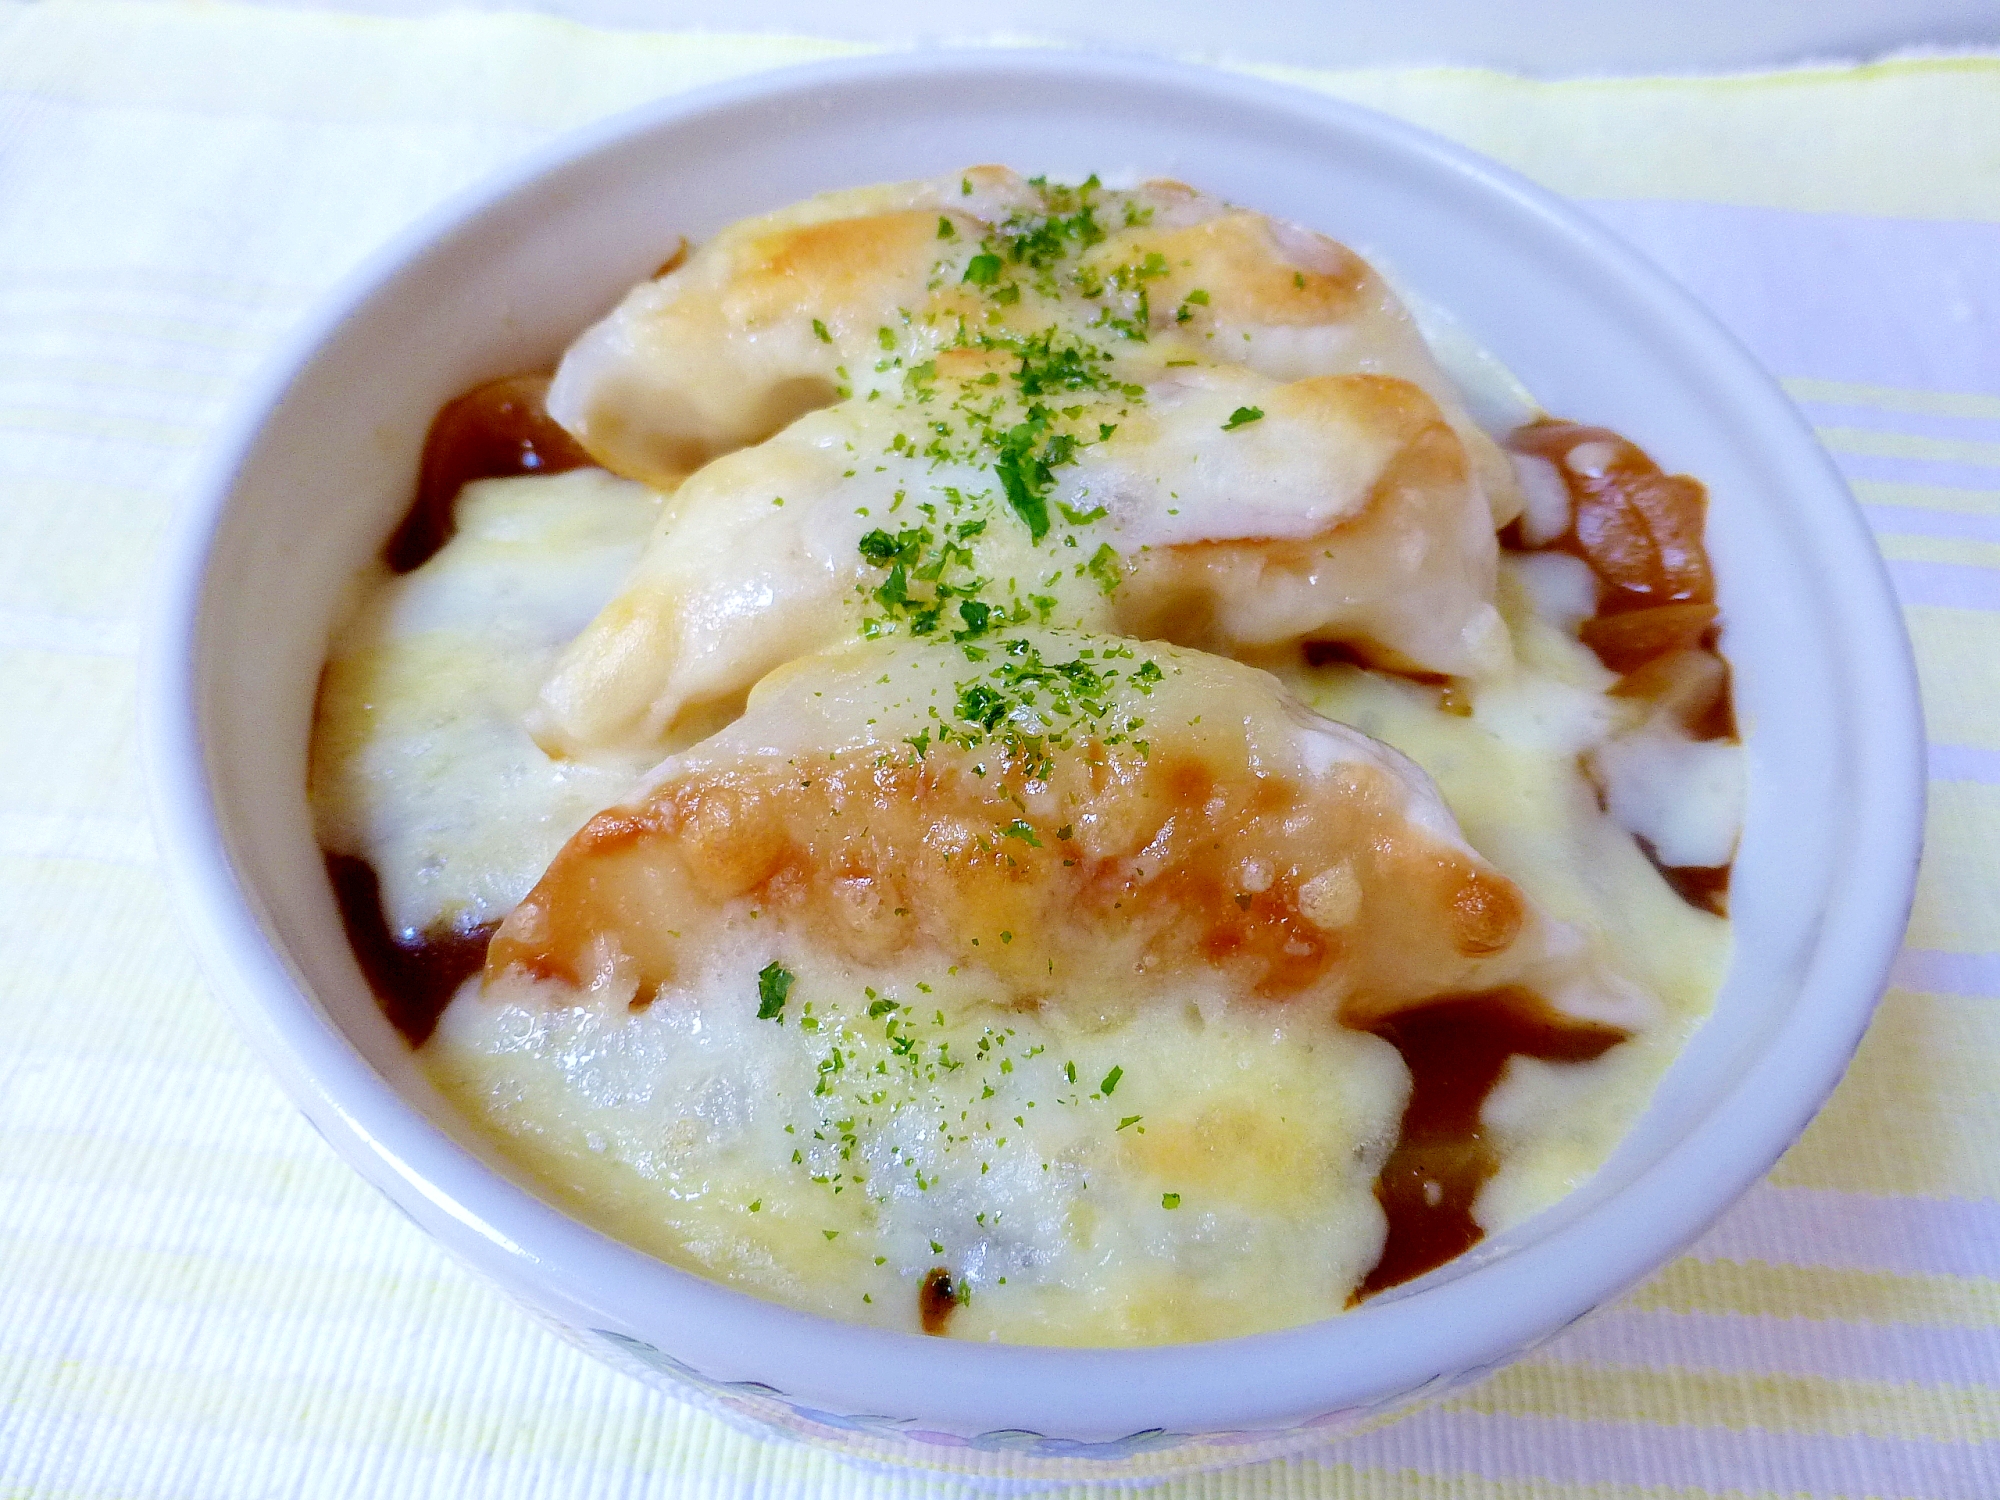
1247 1382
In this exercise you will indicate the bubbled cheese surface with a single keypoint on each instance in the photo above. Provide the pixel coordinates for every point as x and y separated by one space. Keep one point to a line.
951 1132
674 1127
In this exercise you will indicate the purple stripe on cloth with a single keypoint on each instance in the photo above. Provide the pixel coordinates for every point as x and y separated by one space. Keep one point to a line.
1909 520
1734 1344
1964 763
1946 585
1975 975
1559 1450
1849 1231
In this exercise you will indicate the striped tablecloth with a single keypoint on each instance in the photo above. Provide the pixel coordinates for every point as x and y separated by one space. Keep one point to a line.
197 1300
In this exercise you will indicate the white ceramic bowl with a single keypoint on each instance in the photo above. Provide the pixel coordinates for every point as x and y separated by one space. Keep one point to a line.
319 464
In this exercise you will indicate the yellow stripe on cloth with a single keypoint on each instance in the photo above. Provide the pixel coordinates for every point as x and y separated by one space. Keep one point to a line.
1955 909
1904 445
1820 1294
1961 551
1785 1403
1893 398
1927 497
1916 1114
1956 650
1741 140
1719 140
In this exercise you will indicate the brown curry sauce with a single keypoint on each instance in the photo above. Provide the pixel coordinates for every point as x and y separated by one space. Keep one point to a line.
493 431
938 1297
1640 531
413 978
1456 1049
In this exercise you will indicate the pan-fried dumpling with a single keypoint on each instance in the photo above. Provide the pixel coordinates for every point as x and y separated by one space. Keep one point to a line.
1046 819
1221 509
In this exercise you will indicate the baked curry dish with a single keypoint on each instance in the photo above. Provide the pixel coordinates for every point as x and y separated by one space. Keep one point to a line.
1025 761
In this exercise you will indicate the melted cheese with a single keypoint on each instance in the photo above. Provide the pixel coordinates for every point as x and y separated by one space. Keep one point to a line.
1683 796
1510 773
666 1125
1063 998
951 1132
420 762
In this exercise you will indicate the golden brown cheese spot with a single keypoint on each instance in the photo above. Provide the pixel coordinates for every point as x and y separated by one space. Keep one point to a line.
1101 871
1486 913
1398 409
1236 1154
1248 276
847 271
740 343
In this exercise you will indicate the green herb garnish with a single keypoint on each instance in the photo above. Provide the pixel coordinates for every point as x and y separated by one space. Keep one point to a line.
1104 567
774 983
1021 829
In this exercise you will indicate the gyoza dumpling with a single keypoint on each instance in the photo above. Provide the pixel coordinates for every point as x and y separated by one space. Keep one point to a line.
1216 508
797 309
762 323
1046 819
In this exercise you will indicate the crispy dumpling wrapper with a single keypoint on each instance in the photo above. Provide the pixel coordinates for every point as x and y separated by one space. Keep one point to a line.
1066 821
1344 510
